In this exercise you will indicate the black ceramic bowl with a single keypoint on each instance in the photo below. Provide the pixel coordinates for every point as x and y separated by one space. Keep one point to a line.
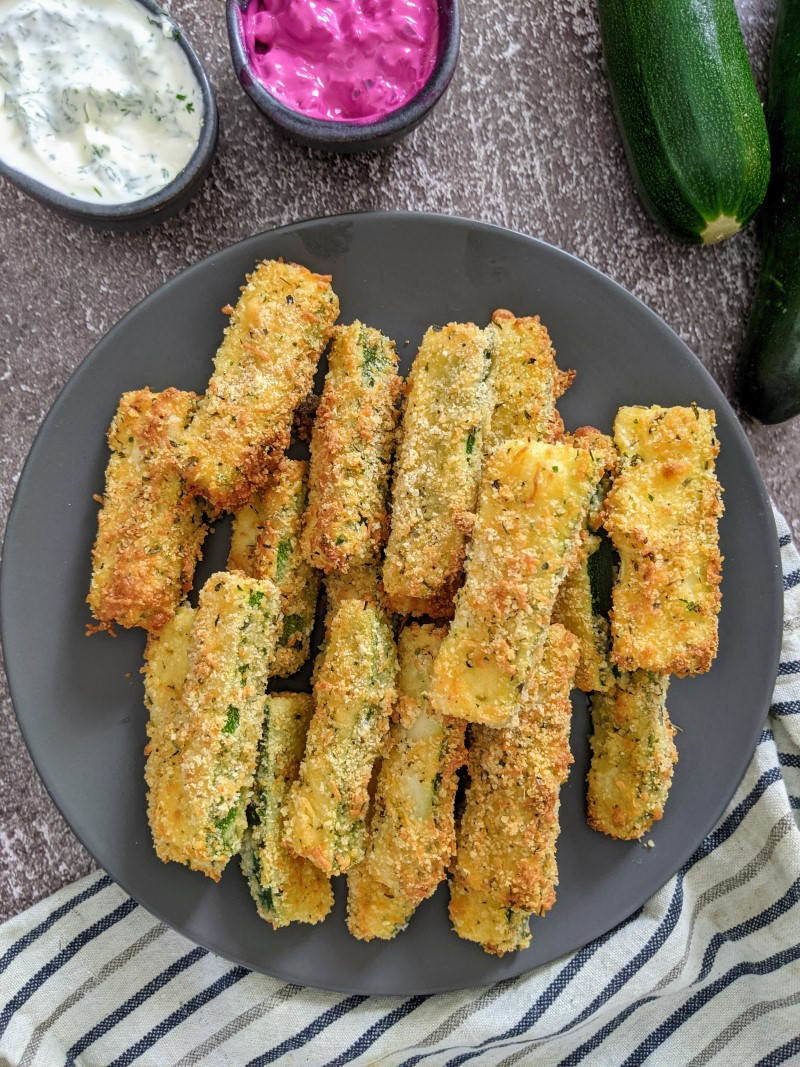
138 214
350 136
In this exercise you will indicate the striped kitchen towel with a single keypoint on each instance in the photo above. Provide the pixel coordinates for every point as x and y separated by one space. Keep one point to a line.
706 972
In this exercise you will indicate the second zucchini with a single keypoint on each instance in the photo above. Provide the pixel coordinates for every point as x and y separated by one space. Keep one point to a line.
689 113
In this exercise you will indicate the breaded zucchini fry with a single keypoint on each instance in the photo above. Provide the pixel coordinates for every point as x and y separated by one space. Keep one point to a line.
166 664
578 607
411 831
584 599
662 513
351 451
482 917
506 868
633 755
438 469
525 380
149 529
354 691
359 583
262 370
285 887
265 543
531 523
199 791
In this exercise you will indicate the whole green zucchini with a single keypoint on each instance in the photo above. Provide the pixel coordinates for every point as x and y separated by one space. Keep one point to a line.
771 355
688 111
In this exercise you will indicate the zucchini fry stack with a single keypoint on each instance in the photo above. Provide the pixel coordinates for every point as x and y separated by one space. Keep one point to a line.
496 523
149 529
412 828
438 469
505 869
265 543
203 743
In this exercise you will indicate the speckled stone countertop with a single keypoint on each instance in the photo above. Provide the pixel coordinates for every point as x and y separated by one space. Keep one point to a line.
524 137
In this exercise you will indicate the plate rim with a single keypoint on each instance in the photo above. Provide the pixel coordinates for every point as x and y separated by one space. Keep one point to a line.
776 601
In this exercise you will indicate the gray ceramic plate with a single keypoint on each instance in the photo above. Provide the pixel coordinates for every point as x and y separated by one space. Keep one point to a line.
79 700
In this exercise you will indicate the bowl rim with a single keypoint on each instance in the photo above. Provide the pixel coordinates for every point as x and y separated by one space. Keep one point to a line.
330 130
155 202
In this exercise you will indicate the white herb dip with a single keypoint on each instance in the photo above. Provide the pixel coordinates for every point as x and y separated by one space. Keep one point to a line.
97 98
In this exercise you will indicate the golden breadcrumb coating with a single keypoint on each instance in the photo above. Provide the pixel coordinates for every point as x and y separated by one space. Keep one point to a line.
285 887
662 514
438 469
359 583
354 692
531 524
603 450
203 747
411 829
265 543
373 909
506 854
525 380
352 444
263 369
633 755
149 529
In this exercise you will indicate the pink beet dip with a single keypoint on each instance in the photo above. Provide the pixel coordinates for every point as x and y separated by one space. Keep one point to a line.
342 60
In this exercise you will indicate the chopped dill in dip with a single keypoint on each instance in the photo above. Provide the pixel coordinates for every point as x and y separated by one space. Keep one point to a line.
97 98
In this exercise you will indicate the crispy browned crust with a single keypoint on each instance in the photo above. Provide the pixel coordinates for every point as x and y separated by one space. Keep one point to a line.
525 380
263 370
440 607
352 444
506 851
662 514
149 529
437 468
599 443
633 755
304 415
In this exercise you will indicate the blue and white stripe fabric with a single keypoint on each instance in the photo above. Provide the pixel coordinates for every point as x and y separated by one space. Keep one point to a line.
707 972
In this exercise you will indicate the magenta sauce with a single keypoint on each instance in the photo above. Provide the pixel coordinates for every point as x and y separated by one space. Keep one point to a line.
342 60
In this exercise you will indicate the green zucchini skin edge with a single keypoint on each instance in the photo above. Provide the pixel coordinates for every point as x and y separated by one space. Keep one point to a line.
688 111
771 352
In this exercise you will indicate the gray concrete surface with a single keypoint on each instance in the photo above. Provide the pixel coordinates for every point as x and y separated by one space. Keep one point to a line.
525 137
